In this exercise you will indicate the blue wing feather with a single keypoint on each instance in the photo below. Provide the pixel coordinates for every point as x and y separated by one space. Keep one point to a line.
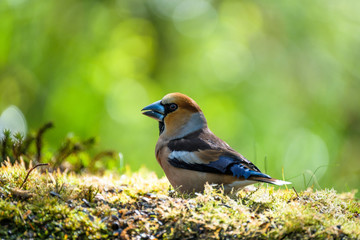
225 165
240 171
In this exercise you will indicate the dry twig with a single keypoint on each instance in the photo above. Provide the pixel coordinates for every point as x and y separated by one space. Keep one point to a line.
27 175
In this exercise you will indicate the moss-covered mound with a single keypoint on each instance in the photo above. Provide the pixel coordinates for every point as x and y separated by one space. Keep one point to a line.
141 206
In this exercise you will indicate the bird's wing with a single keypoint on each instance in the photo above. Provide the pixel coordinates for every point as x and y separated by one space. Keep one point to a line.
205 152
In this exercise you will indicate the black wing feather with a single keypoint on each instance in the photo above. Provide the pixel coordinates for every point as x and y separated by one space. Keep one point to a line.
225 165
204 139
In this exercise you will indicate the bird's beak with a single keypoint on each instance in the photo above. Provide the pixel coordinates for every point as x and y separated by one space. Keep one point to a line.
155 111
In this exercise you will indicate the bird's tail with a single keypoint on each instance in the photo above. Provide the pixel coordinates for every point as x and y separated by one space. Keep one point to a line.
272 181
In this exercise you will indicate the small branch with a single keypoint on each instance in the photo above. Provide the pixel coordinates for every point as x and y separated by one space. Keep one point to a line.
27 175
104 154
3 149
39 139
5 141
99 156
26 144
296 193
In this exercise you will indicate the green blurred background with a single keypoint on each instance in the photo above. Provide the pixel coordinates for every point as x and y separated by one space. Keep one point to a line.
278 80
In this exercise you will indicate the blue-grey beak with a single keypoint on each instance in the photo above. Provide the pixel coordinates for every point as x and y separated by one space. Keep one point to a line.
155 111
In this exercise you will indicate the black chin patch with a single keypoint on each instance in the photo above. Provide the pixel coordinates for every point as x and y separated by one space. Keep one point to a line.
161 127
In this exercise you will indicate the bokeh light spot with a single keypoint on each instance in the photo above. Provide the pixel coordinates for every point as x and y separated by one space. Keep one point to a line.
163 8
195 18
13 119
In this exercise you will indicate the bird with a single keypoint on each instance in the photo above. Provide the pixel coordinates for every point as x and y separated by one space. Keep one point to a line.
191 155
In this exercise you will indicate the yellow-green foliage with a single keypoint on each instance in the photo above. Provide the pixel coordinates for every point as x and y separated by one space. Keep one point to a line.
140 206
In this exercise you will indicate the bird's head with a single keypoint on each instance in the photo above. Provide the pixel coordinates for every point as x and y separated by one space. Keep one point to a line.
178 115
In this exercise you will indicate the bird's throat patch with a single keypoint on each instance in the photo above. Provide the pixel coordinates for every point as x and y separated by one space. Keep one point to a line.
161 127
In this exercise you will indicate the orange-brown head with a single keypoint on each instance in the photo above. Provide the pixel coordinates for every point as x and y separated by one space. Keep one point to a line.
178 115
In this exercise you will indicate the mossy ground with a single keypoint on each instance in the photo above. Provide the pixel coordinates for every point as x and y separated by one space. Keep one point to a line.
140 206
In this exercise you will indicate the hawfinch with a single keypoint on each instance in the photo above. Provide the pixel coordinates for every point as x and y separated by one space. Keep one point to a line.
191 155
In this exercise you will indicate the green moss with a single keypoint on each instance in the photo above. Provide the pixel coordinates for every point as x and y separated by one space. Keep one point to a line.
65 205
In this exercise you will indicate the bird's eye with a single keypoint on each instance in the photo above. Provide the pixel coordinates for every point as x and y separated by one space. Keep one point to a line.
173 107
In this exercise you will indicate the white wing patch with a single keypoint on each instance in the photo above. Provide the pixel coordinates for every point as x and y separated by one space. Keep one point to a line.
185 156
